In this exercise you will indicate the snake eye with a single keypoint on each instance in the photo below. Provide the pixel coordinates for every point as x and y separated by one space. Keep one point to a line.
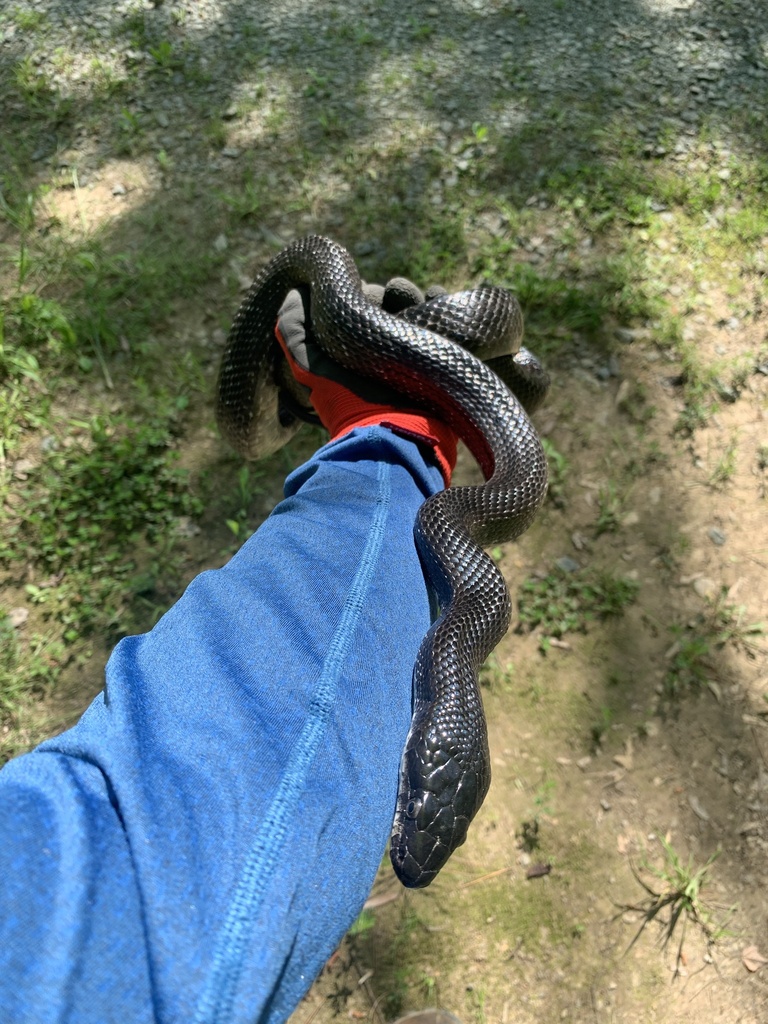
412 808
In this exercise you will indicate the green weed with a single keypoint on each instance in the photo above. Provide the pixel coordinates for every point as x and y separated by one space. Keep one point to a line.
248 200
92 511
611 512
363 924
27 666
166 57
558 467
688 660
247 489
601 727
564 602
691 655
28 20
726 464
128 132
477 1000
680 896
31 83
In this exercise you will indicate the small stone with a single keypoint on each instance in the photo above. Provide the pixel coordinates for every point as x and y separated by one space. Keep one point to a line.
186 527
630 519
231 152
626 760
162 119
750 828
697 809
118 189
605 804
220 243
18 616
567 564
22 468
714 689
562 645
705 587
584 762
623 393
716 536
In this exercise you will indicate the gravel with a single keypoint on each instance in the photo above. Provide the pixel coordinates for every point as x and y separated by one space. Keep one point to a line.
668 65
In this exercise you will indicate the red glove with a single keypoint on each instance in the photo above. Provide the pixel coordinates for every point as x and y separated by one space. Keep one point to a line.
344 400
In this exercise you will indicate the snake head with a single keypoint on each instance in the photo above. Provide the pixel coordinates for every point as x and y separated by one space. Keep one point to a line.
439 795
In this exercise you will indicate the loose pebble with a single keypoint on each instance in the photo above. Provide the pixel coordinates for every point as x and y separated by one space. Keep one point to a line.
18 616
567 564
697 809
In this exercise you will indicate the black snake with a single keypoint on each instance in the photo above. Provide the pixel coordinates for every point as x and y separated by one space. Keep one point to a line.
445 770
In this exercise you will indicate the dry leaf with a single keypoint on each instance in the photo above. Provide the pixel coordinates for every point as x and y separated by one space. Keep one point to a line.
753 959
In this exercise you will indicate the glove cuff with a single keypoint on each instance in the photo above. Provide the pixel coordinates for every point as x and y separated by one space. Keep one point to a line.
341 410
412 424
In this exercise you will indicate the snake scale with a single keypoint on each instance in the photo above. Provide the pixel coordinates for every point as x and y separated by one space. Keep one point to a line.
422 352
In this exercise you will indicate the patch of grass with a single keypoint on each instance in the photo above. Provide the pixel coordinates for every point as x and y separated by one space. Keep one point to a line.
611 510
29 20
690 656
677 901
247 489
26 666
726 464
249 199
92 513
33 331
165 56
600 727
551 305
558 467
562 602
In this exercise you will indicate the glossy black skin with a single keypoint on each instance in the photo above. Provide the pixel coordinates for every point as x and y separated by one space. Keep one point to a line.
423 352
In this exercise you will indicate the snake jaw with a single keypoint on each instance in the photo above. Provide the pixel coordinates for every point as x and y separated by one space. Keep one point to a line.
436 804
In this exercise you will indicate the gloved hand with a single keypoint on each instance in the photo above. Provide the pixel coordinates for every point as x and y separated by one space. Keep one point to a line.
344 400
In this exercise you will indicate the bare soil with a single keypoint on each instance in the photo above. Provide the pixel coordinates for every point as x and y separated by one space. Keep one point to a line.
590 751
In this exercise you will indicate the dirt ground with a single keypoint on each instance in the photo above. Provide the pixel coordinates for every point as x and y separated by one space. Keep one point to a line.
587 743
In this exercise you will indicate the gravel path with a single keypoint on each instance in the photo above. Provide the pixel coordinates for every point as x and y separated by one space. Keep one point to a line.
663 67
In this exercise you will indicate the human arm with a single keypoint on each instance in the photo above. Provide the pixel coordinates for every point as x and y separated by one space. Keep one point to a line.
194 849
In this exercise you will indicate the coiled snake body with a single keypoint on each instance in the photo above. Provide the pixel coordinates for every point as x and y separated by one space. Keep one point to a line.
445 771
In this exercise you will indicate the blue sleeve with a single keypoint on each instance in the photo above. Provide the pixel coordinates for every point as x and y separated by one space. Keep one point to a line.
196 846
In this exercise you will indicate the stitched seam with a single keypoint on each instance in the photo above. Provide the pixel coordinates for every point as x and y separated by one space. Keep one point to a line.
215 1005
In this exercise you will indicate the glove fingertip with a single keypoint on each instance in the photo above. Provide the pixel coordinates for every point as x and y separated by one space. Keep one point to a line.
400 293
374 292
